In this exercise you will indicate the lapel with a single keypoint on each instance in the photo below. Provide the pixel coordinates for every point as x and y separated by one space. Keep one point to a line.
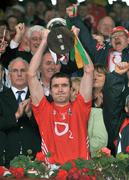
27 95
10 99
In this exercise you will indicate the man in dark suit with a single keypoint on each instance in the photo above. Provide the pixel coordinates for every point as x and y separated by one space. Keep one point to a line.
2 134
2 87
16 119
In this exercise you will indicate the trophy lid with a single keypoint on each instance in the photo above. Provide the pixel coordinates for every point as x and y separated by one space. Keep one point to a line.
56 22
60 40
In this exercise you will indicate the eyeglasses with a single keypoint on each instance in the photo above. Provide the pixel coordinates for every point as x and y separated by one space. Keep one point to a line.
118 34
35 39
18 70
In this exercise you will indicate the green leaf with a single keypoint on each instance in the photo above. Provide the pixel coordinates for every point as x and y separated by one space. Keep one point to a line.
67 166
48 154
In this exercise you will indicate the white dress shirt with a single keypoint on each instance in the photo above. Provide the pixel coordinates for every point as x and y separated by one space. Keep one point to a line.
23 95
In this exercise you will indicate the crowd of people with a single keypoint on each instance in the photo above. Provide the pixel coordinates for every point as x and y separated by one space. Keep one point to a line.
47 103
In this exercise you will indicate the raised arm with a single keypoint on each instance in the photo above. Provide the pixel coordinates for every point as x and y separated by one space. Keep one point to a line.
87 79
86 85
36 89
20 30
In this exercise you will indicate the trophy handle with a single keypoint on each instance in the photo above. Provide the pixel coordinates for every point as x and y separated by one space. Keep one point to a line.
56 22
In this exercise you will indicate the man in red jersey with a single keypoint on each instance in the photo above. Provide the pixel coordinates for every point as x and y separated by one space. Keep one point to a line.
62 124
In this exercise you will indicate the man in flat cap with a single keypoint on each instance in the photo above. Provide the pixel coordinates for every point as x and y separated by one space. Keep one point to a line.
109 53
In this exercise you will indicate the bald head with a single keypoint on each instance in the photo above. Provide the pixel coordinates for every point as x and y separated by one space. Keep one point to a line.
105 26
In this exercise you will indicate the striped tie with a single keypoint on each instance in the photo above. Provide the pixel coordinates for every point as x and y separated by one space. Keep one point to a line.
19 99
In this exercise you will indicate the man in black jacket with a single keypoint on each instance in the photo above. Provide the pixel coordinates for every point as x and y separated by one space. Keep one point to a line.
113 102
2 134
109 53
16 119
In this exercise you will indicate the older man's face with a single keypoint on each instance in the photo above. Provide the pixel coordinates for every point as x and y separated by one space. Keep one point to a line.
119 41
18 74
48 67
35 41
105 26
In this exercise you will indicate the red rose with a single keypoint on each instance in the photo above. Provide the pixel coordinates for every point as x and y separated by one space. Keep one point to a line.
79 172
106 151
87 177
73 170
75 176
127 149
17 172
72 163
62 174
40 156
2 170
51 160
93 178
85 170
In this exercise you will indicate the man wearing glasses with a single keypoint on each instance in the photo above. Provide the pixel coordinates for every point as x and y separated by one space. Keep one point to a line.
16 119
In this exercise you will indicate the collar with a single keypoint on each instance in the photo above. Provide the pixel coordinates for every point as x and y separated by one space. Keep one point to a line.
46 89
42 83
14 89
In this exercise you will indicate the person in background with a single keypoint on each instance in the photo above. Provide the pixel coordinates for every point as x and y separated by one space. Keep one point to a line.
97 139
124 18
115 11
31 18
18 11
47 69
4 36
105 26
50 14
114 102
99 80
4 40
16 118
2 79
75 87
30 13
35 35
110 53
24 44
2 134
12 21
41 8
122 141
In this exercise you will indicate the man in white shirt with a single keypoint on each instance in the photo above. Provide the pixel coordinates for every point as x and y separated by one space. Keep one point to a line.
16 119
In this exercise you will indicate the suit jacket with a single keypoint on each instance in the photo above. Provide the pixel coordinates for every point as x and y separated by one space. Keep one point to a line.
11 54
98 56
21 135
113 106
2 147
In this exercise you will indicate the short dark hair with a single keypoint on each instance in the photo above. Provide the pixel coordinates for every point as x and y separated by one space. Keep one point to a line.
61 75
100 68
